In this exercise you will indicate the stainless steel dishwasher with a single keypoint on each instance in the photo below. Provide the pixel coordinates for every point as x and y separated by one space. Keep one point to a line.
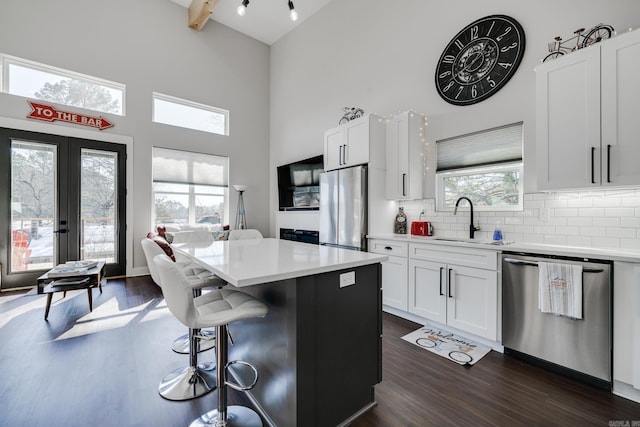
579 348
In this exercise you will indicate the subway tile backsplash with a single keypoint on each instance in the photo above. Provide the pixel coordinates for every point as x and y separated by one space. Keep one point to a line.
603 219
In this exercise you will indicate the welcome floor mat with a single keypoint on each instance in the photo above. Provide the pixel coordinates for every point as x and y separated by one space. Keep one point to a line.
448 345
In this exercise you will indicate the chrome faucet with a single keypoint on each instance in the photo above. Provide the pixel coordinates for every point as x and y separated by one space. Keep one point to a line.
472 228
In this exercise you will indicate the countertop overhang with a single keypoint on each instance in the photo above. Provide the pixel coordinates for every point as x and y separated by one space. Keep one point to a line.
254 261
611 254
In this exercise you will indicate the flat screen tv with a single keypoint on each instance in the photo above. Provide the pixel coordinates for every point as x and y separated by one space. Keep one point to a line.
299 184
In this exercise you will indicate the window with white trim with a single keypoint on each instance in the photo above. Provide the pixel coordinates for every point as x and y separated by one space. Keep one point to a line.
174 111
190 188
484 166
47 83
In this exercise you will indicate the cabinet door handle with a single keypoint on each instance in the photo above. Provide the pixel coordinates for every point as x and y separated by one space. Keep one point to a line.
441 293
608 162
388 248
404 185
344 154
340 155
450 284
593 176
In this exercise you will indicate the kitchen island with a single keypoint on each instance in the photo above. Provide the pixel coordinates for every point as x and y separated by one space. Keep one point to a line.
318 350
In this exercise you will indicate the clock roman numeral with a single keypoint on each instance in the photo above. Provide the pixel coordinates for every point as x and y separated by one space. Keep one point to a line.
505 65
459 44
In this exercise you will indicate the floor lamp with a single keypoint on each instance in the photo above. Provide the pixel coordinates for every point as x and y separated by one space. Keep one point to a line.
241 219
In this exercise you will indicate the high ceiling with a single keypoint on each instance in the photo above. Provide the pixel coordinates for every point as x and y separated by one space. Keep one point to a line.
265 20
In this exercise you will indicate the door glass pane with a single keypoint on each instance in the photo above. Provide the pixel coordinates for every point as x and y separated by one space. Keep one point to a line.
98 205
33 196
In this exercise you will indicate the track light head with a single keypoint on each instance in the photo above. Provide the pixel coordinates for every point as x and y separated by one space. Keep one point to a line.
292 10
242 9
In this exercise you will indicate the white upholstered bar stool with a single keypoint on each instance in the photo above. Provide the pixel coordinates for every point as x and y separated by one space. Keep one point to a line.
199 278
217 308
196 273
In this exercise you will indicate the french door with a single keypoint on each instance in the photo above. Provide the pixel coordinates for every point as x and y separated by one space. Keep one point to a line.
64 200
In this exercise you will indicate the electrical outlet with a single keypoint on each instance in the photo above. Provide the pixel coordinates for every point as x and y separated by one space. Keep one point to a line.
347 279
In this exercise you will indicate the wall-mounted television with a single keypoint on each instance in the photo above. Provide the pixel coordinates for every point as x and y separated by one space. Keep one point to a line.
299 184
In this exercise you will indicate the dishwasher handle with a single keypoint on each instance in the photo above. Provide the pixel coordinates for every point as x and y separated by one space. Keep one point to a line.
535 264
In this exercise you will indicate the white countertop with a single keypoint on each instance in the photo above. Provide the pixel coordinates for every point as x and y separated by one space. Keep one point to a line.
255 261
612 254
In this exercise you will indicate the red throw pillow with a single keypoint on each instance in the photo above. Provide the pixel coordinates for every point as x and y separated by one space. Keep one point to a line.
162 231
163 244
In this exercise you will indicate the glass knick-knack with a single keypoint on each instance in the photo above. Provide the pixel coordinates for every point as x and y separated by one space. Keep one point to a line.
401 222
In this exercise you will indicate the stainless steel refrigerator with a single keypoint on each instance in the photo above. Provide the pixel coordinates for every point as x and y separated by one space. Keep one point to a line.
343 208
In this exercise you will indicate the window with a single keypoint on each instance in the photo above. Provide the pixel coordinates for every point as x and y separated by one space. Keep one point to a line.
39 81
191 115
485 166
190 187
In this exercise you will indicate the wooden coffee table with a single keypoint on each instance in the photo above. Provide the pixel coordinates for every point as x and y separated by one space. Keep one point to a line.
91 279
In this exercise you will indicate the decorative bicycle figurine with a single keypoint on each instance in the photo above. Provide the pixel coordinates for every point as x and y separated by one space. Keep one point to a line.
594 35
351 113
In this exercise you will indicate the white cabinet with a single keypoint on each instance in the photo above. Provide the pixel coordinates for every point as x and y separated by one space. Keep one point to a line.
585 113
626 324
394 272
455 286
404 161
349 144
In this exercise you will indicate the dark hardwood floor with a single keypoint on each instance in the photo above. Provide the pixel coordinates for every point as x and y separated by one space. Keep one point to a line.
103 369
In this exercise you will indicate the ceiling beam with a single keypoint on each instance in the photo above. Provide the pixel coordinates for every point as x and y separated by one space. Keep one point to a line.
199 12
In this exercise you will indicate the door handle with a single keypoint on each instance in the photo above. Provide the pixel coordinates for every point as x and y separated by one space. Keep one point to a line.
608 162
441 293
450 284
61 231
404 184
593 152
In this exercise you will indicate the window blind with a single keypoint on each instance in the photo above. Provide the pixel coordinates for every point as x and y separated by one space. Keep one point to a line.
493 146
185 167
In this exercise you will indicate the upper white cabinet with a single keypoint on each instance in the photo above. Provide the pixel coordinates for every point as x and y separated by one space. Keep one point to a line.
350 144
404 162
587 132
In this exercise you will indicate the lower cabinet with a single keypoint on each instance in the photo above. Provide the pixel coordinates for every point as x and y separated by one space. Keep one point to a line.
626 324
394 272
462 297
451 285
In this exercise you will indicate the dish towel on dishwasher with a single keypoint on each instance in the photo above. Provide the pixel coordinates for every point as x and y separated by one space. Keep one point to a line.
560 289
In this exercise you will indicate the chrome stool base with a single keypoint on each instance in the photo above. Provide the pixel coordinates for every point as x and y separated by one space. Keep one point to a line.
181 344
237 416
188 383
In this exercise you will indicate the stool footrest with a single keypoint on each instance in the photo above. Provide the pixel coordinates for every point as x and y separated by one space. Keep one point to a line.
238 387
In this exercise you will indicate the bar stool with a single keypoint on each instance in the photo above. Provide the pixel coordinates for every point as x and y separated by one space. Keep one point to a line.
199 278
215 308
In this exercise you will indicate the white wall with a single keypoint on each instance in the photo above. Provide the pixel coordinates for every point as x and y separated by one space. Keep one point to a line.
381 56
147 45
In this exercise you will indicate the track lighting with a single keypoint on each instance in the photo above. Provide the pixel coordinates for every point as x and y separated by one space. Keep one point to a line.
293 13
242 9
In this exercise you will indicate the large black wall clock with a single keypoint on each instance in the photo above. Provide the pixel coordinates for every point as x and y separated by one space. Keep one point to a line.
480 59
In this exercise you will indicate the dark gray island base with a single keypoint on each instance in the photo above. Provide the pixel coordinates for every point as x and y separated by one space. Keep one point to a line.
318 351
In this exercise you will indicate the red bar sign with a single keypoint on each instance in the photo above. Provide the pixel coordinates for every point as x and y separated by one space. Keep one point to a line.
49 114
